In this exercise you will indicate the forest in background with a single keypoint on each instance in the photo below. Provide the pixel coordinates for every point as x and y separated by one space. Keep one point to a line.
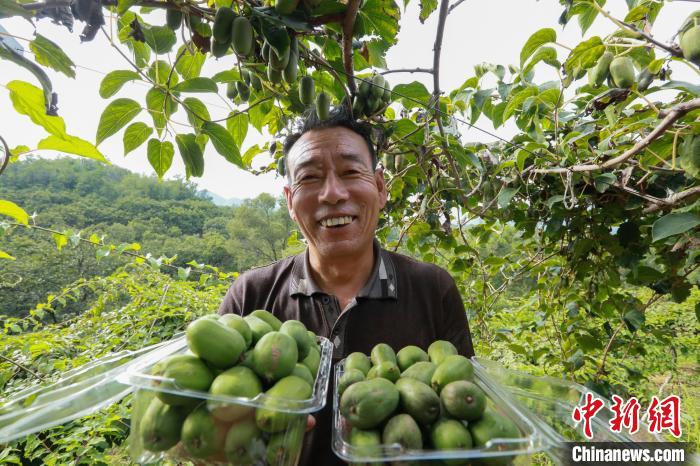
166 218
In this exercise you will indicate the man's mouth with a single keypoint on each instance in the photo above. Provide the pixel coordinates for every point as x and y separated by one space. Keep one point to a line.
336 222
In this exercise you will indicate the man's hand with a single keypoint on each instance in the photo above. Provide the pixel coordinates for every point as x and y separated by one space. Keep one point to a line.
310 423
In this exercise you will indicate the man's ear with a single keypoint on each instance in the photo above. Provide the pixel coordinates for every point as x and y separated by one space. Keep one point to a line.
381 186
290 205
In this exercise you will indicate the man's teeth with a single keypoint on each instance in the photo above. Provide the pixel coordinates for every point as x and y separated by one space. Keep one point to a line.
331 222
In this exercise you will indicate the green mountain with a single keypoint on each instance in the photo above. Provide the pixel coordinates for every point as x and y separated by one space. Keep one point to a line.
166 218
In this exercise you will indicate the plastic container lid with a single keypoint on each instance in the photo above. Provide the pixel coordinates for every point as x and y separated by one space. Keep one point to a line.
137 376
552 401
532 439
80 392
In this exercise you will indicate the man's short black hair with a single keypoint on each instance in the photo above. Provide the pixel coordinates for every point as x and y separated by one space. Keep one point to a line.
339 116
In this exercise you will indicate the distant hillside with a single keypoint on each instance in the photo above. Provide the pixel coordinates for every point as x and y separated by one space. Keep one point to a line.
169 218
222 201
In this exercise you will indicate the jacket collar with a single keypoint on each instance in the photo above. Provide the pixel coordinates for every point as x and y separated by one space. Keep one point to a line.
381 283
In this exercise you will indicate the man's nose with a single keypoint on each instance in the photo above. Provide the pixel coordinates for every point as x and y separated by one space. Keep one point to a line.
333 190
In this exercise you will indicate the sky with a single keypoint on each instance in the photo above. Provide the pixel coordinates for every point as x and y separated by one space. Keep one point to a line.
476 31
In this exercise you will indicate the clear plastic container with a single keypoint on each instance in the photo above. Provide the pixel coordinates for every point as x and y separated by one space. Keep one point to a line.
498 450
220 426
551 401
80 392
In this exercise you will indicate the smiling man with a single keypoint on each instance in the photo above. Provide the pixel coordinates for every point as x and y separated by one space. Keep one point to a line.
345 286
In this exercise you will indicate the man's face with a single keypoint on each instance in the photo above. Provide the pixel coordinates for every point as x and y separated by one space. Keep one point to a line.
335 195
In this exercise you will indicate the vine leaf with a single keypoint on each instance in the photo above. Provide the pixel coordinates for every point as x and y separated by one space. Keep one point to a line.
238 126
49 54
118 113
160 155
29 100
197 112
189 66
196 85
135 135
191 154
4 255
160 39
114 80
72 145
11 209
674 224
223 142
538 39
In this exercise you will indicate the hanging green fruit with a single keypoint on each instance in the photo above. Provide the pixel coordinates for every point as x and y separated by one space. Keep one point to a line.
243 90
242 36
222 24
286 7
598 74
690 44
622 71
307 90
231 91
274 75
323 105
219 49
173 18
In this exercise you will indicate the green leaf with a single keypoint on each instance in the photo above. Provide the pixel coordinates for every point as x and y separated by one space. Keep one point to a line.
189 66
49 54
381 17
160 155
584 56
223 142
60 239
13 210
634 320
4 255
539 38
682 85
135 135
114 80
191 154
603 181
159 108
160 39
376 50
250 154
29 100
414 91
197 85
674 224
160 71
72 145
516 101
197 112
505 196
238 126
426 8
10 8
118 113
586 12
227 76
545 54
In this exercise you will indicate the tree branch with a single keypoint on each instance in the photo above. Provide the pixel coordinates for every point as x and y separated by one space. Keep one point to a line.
670 117
672 200
672 49
408 70
455 5
348 25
